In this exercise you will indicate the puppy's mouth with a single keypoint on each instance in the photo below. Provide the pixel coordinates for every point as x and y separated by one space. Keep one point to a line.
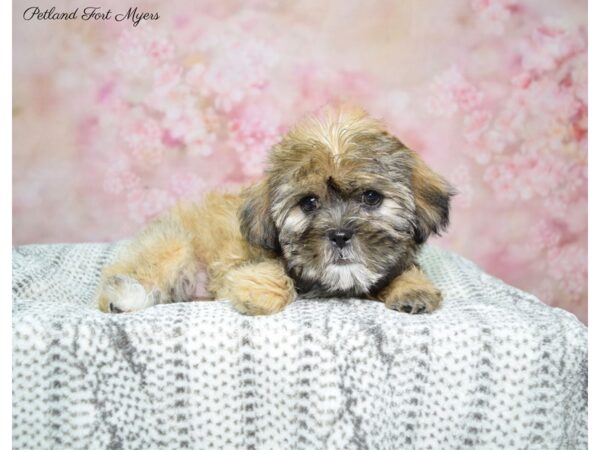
343 261
341 258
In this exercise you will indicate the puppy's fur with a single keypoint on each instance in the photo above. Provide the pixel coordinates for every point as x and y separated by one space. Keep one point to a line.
342 212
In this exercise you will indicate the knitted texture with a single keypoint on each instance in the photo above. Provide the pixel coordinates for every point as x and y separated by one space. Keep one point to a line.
493 368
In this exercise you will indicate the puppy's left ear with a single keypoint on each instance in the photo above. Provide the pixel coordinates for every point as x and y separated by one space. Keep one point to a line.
432 200
254 215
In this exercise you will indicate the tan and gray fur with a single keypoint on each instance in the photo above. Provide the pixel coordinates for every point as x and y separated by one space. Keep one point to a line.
342 212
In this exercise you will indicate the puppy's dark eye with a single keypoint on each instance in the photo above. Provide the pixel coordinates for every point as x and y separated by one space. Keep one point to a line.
372 198
309 203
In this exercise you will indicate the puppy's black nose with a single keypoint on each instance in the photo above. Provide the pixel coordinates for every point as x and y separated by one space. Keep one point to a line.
340 237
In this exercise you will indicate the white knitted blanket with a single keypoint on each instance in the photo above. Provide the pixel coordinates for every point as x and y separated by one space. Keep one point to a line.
493 368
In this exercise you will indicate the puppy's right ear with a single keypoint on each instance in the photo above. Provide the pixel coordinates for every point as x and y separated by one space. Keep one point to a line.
256 223
432 200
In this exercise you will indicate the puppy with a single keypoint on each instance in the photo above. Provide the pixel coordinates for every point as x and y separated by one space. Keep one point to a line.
342 212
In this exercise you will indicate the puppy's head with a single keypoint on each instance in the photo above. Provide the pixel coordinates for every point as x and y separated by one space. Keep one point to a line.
345 203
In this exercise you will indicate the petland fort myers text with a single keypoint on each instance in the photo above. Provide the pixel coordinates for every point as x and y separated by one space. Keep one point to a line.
90 13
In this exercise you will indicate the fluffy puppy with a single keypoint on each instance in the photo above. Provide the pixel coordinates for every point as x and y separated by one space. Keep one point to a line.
342 212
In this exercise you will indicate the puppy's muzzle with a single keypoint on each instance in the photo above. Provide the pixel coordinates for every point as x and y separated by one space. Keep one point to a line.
340 238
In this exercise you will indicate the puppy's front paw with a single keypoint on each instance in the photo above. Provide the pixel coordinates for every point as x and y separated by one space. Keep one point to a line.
414 301
121 293
258 289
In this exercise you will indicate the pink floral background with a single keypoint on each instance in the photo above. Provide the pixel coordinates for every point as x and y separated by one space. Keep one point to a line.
114 123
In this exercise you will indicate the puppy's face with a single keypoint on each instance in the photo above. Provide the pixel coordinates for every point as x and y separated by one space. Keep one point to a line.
345 204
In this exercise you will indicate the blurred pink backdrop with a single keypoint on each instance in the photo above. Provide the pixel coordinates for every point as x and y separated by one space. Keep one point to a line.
113 123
